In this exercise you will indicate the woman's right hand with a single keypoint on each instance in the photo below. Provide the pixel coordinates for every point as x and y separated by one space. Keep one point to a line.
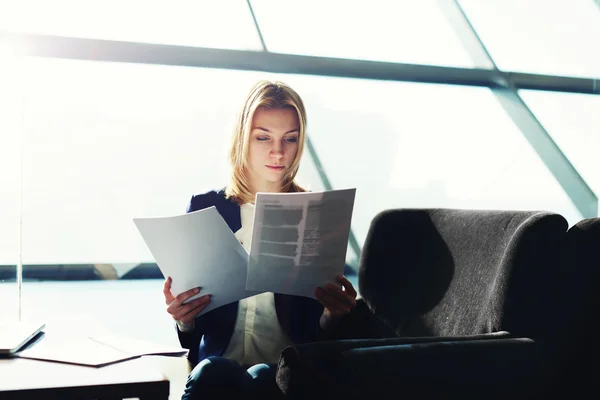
185 313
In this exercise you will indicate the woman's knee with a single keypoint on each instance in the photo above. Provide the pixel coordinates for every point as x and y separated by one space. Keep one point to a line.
214 368
263 383
214 376
262 371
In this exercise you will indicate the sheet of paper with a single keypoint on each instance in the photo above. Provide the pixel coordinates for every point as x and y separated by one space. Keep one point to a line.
299 240
198 249
77 350
95 350
137 346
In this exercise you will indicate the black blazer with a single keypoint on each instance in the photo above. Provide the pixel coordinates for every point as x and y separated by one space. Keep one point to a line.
298 316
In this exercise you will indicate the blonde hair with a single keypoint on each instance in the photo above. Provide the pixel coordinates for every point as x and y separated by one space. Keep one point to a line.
268 95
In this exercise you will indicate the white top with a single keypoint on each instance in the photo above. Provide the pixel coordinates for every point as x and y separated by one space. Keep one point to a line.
257 336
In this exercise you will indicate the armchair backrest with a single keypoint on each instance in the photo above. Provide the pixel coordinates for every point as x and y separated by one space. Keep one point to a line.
450 272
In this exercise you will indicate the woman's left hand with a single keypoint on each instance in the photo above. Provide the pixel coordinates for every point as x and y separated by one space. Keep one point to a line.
337 300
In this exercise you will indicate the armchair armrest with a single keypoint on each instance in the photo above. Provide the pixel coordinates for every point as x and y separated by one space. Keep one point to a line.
464 367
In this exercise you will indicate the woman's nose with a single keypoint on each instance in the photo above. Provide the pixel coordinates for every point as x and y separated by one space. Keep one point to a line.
277 151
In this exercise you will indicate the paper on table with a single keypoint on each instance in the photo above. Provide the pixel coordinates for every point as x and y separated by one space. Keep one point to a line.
94 351
198 249
137 346
299 240
77 350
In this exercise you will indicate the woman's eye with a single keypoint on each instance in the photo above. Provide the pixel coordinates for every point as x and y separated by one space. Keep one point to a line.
262 138
291 139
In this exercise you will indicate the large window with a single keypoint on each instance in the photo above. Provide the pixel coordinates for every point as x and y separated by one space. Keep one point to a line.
10 180
225 24
573 121
106 142
380 30
412 145
553 37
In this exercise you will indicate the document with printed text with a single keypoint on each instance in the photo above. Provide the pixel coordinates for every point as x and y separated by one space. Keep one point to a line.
299 240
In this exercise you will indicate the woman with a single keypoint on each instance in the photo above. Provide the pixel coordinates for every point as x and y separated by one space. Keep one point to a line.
236 347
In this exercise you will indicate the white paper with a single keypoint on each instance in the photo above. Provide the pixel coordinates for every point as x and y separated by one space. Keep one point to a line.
198 249
78 350
96 351
137 347
299 240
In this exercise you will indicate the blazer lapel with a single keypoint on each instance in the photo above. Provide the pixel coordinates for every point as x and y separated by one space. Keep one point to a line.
230 211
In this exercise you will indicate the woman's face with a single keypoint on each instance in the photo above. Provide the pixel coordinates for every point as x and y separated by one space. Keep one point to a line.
272 148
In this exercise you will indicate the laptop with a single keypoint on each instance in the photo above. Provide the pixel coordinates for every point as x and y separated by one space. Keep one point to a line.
15 335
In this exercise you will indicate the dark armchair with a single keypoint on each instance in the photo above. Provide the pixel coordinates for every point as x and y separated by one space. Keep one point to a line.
454 303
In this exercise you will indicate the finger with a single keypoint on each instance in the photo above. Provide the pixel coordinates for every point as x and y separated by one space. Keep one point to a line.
178 311
176 308
320 294
186 313
183 296
335 311
167 291
340 294
190 315
347 285
333 303
326 301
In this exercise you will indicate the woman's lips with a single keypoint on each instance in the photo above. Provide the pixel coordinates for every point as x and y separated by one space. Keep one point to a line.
275 167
